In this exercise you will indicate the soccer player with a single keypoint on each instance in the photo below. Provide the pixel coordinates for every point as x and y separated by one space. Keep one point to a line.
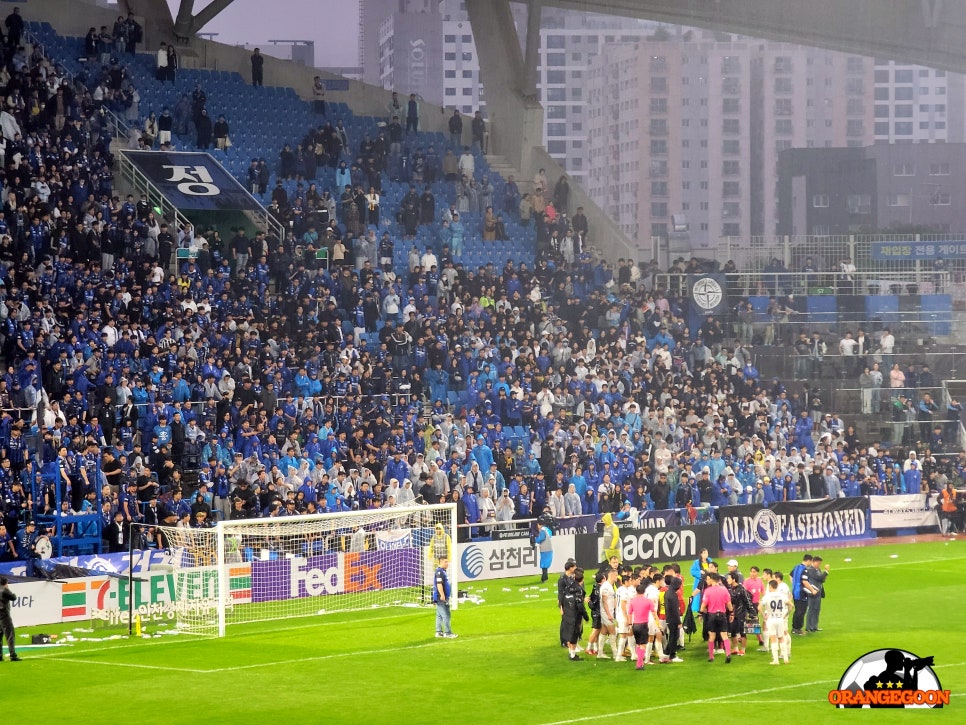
716 603
608 614
774 606
742 609
594 601
624 594
644 622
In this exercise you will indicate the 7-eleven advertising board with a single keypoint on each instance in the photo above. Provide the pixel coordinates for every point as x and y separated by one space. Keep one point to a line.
155 595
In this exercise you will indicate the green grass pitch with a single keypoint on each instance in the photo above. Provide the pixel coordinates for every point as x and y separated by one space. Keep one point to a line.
385 666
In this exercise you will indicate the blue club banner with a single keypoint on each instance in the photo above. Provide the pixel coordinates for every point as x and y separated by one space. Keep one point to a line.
193 181
793 523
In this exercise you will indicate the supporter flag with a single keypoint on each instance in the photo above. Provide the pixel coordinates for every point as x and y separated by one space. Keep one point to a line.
708 294
192 180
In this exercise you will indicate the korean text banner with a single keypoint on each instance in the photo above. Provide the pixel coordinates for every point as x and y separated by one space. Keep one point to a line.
792 523
193 181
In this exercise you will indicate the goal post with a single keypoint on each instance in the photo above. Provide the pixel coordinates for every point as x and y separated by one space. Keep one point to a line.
297 566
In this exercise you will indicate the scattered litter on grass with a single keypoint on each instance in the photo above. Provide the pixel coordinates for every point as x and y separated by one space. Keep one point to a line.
545 589
473 599
507 589
893 556
82 629
848 560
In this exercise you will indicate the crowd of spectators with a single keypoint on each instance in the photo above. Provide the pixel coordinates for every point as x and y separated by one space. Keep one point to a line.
254 381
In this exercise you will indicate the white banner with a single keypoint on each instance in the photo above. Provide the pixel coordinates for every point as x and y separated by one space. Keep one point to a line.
394 539
515 557
909 510
37 603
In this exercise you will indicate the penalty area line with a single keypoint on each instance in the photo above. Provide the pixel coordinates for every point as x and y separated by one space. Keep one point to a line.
126 664
335 655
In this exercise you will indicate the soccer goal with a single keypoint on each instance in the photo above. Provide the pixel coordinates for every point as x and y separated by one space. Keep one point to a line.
299 566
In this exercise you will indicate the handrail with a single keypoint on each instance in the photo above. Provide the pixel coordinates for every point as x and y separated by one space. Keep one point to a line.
120 129
139 180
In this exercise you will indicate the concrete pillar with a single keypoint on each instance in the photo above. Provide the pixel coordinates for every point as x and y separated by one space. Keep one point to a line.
532 58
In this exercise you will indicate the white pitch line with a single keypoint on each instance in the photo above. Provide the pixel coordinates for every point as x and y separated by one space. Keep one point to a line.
189 637
893 562
335 655
704 701
128 664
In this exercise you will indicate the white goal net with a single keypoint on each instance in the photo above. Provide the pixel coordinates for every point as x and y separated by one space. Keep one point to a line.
298 566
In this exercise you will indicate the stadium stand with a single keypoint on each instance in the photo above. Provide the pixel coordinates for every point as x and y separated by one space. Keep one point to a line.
135 392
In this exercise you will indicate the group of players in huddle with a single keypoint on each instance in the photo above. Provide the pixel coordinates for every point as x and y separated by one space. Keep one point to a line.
646 606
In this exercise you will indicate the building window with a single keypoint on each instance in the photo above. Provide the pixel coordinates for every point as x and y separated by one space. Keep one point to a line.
731 105
556 59
556 148
556 77
467 74
658 147
783 126
940 198
556 129
466 38
658 127
450 91
882 128
556 42
659 105
783 106
898 200
903 76
658 188
881 94
467 57
855 107
731 146
658 209
907 169
730 168
854 128
783 85
855 64
731 189
449 74
449 38
820 201
659 84
904 94
731 229
882 76
904 128
903 110
859 203
783 64
853 86
449 56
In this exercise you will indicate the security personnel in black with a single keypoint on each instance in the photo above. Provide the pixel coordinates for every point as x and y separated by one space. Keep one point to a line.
7 598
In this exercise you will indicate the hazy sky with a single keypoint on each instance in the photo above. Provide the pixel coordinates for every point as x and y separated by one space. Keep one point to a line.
332 24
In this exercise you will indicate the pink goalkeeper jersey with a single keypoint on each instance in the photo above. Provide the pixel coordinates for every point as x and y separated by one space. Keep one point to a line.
717 599
641 609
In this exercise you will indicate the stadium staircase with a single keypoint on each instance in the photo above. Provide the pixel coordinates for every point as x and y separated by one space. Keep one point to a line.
263 120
